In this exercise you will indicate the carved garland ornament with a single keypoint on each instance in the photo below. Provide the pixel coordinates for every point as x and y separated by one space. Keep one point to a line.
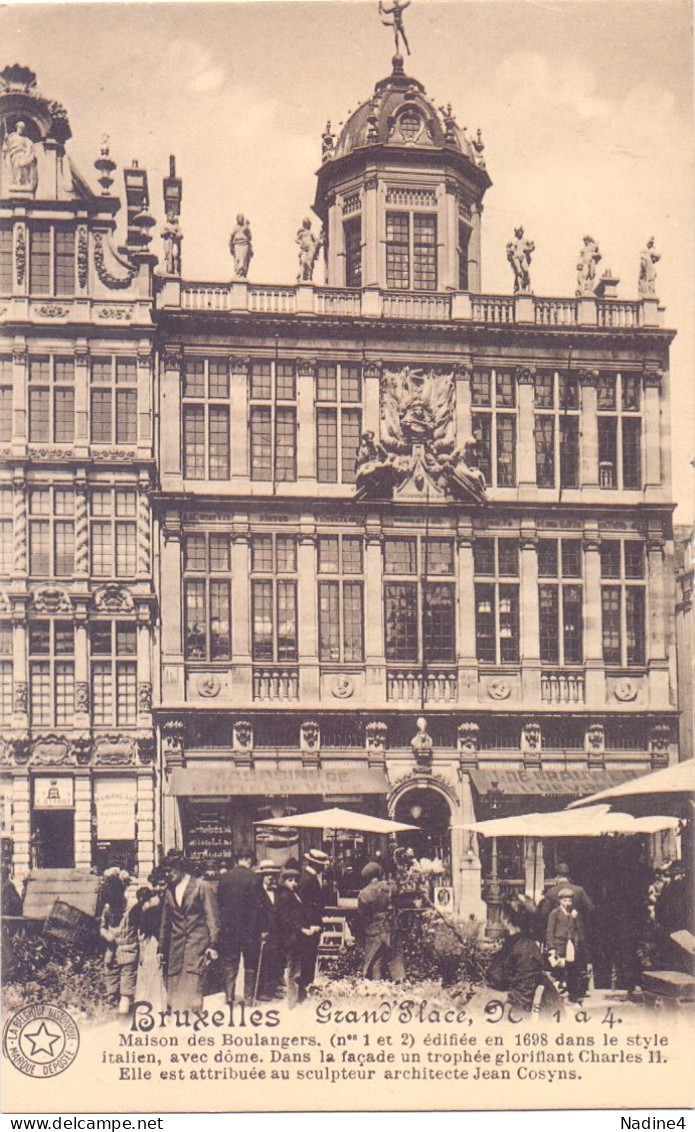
82 261
20 256
109 280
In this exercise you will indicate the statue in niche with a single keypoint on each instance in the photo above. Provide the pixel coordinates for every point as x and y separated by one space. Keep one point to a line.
20 158
519 252
649 257
172 236
589 257
309 247
241 246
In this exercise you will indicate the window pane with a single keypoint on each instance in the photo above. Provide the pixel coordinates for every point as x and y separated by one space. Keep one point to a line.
400 611
40 692
219 379
195 630
126 371
353 621
39 638
506 454
194 442
100 638
286 548
64 416
400 555
425 253
64 692
261 381
328 554
439 554
261 443
64 635
397 250
101 371
6 547
285 382
544 437
353 253
38 414
326 446
484 555
482 431
569 391
547 558
5 692
610 559
569 451
219 442
262 553
219 552
481 387
39 548
6 261
632 460
485 622
508 557
125 550
610 608
350 384
634 614
351 427
329 622
505 389
286 445
606 392
194 378
125 502
352 555
220 626
572 624
464 241
126 704
548 610
262 610
544 391
126 639
607 452
64 549
5 413
102 551
126 416
101 501
40 261
631 391
439 623
64 262
571 558
634 559
102 693
509 623
287 621
327 383
101 416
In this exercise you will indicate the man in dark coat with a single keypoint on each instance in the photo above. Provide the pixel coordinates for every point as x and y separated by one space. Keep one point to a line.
293 929
311 892
239 898
270 964
189 933
382 949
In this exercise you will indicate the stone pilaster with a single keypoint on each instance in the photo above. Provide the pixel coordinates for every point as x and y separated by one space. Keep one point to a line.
239 388
529 616
465 861
144 529
659 618
588 379
595 683
145 824
81 526
306 452
82 698
144 371
375 661
242 680
170 412
171 603
372 380
307 618
20 374
463 372
371 236
466 650
21 825
81 398
19 511
144 655
651 418
83 821
526 452
20 668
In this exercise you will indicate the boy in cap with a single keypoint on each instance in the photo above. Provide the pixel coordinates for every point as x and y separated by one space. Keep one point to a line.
312 893
293 930
377 916
563 941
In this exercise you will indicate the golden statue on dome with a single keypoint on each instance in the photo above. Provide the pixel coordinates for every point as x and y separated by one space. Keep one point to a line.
395 10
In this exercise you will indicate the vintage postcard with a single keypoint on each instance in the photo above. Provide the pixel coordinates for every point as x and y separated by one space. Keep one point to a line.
346 556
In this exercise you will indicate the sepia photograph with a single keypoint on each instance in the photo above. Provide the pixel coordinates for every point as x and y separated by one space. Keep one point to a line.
347 546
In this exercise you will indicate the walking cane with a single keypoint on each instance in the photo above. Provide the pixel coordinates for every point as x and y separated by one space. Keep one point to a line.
258 972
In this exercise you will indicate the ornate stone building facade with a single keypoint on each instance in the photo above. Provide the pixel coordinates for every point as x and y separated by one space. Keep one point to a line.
411 541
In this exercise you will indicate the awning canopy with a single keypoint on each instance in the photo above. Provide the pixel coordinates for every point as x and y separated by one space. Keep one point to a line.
219 780
560 783
593 821
678 779
336 819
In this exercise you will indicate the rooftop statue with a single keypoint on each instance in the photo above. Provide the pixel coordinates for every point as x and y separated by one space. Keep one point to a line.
395 10
172 236
309 247
519 252
20 158
649 257
241 246
586 267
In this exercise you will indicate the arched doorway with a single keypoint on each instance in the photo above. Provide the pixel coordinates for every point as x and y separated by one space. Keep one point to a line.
429 810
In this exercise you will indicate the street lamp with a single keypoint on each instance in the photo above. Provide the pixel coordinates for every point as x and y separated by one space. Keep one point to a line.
493 895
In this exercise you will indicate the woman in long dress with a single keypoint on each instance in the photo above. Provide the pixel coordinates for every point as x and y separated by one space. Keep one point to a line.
150 981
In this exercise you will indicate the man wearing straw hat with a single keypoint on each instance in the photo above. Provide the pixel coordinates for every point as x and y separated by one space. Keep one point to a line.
312 893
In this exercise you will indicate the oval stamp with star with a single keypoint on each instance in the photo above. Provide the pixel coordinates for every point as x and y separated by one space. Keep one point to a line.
41 1040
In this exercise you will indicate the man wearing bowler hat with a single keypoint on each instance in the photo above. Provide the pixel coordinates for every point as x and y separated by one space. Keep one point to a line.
189 932
312 893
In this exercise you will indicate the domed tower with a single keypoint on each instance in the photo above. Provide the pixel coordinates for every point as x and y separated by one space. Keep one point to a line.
400 194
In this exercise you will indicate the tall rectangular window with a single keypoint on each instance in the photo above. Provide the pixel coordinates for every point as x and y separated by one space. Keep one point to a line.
398 250
424 252
464 241
5 673
40 260
411 251
556 429
6 406
64 269
493 396
206 419
496 565
352 230
619 405
340 594
51 400
274 598
6 533
51 260
51 673
51 532
273 421
113 516
113 658
6 280
113 400
560 601
338 422
207 596
623 602
420 607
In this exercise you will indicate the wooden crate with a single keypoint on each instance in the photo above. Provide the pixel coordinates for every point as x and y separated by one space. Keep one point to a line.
70 925
45 886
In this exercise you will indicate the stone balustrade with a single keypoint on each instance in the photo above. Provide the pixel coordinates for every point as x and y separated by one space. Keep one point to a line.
241 296
405 686
279 684
562 687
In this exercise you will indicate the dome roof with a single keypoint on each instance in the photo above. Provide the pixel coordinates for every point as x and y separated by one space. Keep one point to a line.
399 114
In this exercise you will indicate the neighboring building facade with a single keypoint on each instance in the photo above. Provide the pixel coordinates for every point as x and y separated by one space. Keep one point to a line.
684 539
412 543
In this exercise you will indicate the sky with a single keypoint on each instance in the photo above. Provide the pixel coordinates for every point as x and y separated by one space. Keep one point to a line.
586 109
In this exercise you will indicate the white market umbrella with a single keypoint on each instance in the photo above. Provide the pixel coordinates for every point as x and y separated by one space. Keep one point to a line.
677 779
336 819
594 821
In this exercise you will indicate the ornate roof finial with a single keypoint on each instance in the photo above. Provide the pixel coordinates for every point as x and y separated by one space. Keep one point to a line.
395 10
105 165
